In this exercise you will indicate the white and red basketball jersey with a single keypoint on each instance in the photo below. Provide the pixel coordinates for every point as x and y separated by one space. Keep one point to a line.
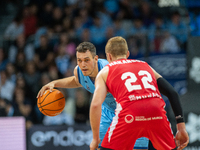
140 107
134 80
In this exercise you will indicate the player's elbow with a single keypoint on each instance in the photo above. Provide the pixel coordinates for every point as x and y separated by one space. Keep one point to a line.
95 105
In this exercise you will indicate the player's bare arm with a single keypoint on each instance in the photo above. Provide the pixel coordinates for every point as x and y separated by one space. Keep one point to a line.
95 108
157 75
69 82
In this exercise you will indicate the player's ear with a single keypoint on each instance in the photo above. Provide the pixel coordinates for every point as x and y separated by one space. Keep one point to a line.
109 57
127 54
96 58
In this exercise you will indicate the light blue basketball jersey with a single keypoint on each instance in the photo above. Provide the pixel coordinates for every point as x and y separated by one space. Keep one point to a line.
88 84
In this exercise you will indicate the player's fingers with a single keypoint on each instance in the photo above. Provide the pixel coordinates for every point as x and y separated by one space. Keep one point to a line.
51 88
39 93
177 143
42 91
182 146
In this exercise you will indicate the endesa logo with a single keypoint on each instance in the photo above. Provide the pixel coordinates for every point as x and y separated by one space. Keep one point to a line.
64 138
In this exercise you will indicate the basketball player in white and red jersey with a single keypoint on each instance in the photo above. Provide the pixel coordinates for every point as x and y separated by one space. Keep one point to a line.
140 109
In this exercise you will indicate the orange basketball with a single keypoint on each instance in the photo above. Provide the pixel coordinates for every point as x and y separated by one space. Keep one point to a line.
51 103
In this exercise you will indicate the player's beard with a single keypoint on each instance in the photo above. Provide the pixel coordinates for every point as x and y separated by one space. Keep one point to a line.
92 69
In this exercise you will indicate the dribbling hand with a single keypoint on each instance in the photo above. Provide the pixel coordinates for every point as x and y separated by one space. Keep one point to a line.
48 86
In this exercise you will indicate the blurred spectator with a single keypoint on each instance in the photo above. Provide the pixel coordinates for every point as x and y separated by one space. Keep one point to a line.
20 45
85 17
134 48
23 106
6 108
82 107
11 72
53 38
14 29
20 62
169 44
62 60
155 34
69 46
58 28
70 103
6 87
3 111
118 29
30 19
68 12
138 31
179 29
71 2
146 13
45 21
137 27
78 26
57 16
66 24
85 36
126 11
109 33
105 19
44 54
44 79
3 59
53 72
46 14
21 83
98 35
111 6
32 77
39 32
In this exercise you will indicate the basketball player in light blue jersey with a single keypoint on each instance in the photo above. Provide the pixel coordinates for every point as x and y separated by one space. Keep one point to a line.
84 76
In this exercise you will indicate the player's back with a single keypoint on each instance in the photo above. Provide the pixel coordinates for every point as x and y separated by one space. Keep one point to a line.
131 80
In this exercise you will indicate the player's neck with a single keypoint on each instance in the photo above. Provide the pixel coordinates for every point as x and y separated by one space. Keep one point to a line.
118 58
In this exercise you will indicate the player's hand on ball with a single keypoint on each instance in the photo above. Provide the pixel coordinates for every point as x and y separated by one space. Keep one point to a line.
94 144
48 86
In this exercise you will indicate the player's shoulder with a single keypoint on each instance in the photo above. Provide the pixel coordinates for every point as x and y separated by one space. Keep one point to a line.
103 62
104 70
75 70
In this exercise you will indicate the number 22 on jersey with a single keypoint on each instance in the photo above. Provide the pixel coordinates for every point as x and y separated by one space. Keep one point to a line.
130 83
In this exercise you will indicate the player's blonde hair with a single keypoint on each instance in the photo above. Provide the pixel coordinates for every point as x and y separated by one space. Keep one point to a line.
116 46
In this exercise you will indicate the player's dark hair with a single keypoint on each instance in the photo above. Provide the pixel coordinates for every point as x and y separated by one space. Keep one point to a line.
84 46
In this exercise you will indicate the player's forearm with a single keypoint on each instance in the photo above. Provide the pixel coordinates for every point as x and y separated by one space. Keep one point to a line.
68 82
166 89
95 116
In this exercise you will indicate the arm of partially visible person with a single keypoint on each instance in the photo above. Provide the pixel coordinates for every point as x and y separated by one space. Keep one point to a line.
69 82
95 108
182 138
